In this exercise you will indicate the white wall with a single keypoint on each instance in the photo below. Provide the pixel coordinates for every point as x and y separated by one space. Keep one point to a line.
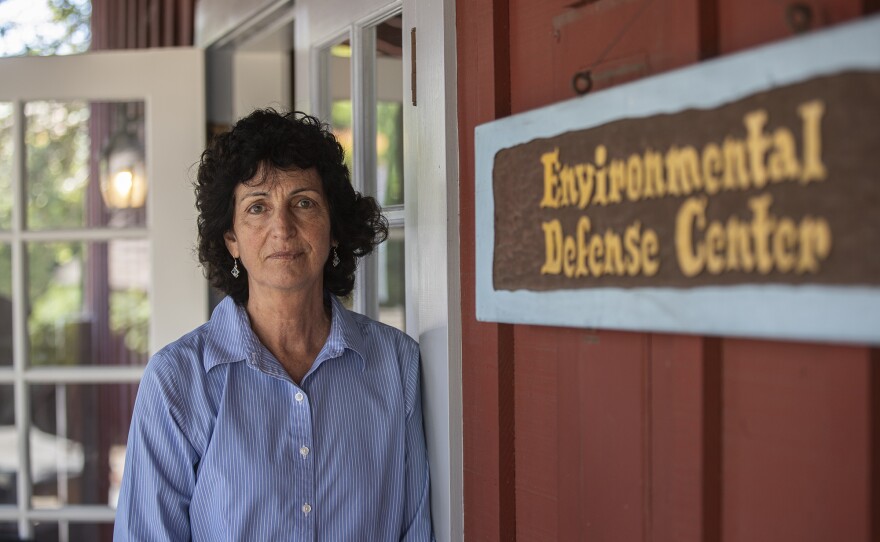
260 79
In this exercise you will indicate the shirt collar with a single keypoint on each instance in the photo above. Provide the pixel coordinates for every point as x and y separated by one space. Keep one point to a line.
345 333
231 339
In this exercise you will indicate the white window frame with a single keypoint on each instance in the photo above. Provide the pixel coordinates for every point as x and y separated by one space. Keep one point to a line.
430 212
175 134
365 297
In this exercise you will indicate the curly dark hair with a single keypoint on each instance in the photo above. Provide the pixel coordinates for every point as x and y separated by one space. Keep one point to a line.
275 141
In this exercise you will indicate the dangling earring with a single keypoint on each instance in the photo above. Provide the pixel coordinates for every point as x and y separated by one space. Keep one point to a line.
335 257
235 272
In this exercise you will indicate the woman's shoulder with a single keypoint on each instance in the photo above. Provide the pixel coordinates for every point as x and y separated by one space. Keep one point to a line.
181 358
376 330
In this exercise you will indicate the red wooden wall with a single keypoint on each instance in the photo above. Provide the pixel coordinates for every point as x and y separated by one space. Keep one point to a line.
576 434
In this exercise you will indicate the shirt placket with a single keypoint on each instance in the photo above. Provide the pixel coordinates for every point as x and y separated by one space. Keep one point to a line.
304 466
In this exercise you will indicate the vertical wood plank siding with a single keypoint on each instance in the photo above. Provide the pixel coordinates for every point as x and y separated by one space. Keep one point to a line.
636 436
480 353
140 24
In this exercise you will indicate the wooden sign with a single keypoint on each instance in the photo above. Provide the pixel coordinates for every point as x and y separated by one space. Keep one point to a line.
736 197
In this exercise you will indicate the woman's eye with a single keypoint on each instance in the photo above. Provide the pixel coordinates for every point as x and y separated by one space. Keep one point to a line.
256 209
305 204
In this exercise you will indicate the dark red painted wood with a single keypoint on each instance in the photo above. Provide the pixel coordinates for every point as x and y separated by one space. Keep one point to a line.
747 23
677 419
601 440
633 436
613 444
489 497
874 454
796 419
536 444
618 41
796 442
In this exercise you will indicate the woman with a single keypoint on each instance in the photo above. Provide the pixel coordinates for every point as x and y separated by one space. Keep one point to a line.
285 417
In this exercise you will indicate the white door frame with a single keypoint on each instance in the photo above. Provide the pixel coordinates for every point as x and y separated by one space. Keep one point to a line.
171 83
431 206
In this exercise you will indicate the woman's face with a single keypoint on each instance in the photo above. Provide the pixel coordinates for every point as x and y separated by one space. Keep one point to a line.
281 232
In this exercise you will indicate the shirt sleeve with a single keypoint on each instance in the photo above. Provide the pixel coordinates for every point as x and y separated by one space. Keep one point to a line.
159 474
417 511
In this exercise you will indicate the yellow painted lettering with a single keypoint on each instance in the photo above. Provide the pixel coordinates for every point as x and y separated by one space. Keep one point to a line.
811 116
618 180
634 178
633 257
613 254
650 250
739 246
735 174
568 184
682 171
691 256
763 224
712 168
784 243
551 180
655 183
583 230
815 244
757 143
601 195
585 177
569 258
553 248
715 245
594 260
783 163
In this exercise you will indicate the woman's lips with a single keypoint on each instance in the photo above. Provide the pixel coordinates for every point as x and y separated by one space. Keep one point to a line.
284 255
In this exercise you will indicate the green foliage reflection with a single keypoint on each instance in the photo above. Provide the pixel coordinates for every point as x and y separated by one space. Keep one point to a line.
340 122
5 166
389 150
55 294
130 318
45 27
57 144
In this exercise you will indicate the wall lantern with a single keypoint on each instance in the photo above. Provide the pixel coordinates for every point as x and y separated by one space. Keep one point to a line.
123 172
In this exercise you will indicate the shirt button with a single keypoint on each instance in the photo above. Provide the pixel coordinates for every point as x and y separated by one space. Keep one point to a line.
307 508
304 451
299 397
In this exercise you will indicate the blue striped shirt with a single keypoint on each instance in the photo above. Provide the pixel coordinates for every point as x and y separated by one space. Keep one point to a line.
224 445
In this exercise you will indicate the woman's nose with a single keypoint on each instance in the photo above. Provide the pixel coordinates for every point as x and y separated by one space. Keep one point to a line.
283 224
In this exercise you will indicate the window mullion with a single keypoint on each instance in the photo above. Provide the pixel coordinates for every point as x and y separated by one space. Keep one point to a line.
363 88
19 331
320 77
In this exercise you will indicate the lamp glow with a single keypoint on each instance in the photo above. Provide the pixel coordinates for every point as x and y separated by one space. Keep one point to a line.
123 180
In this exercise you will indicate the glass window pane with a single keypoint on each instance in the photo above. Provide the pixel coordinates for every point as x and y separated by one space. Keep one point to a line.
85 165
5 304
88 303
389 112
47 531
44 27
8 447
6 142
57 148
337 60
78 442
392 287
8 531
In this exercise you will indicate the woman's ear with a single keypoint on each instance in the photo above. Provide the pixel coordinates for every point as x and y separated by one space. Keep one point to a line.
231 243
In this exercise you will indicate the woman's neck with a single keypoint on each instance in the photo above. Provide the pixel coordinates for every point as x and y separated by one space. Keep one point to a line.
293 327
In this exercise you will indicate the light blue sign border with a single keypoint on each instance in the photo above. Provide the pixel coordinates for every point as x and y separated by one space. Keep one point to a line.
822 313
